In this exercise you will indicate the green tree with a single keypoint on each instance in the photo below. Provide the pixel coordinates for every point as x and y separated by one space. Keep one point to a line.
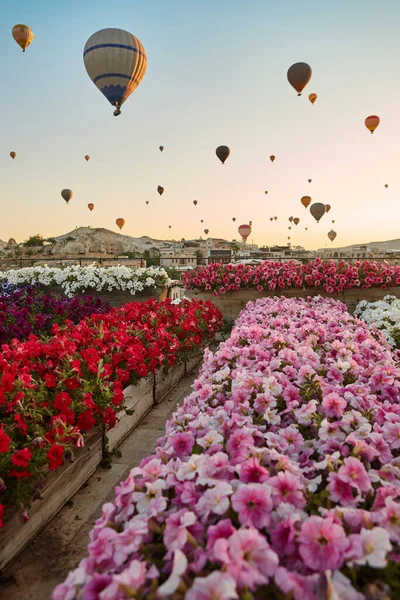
34 240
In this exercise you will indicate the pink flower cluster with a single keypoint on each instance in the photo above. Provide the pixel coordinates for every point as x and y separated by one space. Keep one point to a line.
279 477
332 276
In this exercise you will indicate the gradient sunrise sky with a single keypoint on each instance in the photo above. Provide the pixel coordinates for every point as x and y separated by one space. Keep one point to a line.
216 75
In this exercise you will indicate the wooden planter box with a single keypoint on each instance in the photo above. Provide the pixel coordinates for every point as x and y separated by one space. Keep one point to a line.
117 298
68 479
231 303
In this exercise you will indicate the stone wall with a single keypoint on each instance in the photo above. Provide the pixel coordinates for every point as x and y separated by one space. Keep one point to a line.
117 298
231 303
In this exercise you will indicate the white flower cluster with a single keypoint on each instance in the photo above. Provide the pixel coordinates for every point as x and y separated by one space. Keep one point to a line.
77 279
383 314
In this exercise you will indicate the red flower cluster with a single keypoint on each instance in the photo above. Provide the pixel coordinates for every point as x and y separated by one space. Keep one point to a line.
53 391
332 276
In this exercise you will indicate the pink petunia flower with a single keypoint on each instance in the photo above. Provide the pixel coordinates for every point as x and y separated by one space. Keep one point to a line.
353 472
322 544
216 586
253 504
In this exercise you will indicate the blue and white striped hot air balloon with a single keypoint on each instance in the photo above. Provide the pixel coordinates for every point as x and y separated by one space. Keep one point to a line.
116 63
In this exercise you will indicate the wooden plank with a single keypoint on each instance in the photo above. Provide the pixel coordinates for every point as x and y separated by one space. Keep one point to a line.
140 399
192 363
59 488
166 379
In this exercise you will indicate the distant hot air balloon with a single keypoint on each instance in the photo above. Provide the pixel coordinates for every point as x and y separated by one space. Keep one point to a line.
202 221
312 98
147 201
245 231
87 157
332 234
116 62
250 223
13 155
222 152
288 237
296 221
386 185
333 221
299 75
23 35
327 208
161 148
233 219
195 202
67 195
169 226
90 206
306 201
372 122
160 190
306 228
120 223
317 210
289 228
271 218
206 231
266 192
272 158
290 219
276 218
310 180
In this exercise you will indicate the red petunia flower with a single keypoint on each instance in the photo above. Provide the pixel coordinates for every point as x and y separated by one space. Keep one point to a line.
55 456
4 441
2 509
50 380
86 421
22 458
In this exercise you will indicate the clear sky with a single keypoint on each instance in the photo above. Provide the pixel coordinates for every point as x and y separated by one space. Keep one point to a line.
216 75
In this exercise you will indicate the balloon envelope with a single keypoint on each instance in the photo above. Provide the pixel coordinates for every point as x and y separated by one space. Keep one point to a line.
222 152
310 180
160 190
120 222
87 157
299 75
332 234
306 201
23 35
312 98
296 221
206 231
195 202
67 195
317 210
327 207
244 231
233 219
116 62
272 158
90 206
161 148
372 122
13 155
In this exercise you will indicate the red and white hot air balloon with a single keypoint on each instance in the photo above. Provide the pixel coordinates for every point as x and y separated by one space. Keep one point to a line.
244 231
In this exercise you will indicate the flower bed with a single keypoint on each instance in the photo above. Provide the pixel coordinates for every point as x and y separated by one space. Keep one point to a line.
29 310
277 478
53 392
331 276
75 280
384 315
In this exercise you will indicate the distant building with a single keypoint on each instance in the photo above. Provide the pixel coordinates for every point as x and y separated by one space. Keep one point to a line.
178 258
216 255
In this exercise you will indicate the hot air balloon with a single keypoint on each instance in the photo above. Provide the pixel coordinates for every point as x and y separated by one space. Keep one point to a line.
272 158
245 231
306 228
386 185
290 219
332 234
296 221
202 221
233 219
266 192
306 201
250 223
333 221
169 226
317 210
116 62
23 35
372 122
312 98
327 208
160 190
120 223
67 195
161 148
13 155
299 75
271 218
289 228
87 157
147 201
206 231
222 152
288 237
90 206
276 218
195 202
310 180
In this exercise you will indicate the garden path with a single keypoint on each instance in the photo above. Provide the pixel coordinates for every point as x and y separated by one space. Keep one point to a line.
63 543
